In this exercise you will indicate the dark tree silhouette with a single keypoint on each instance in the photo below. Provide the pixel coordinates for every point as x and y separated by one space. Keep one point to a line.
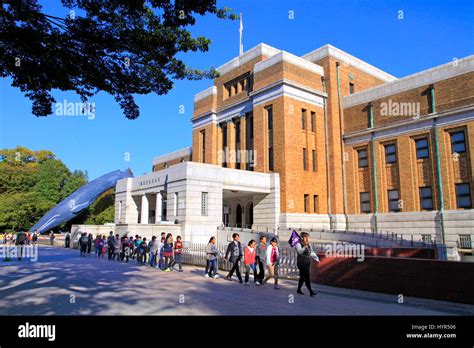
122 47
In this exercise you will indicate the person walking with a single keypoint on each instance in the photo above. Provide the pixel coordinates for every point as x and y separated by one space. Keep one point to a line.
168 252
303 261
89 243
249 261
234 255
161 245
178 253
103 246
125 249
35 237
83 244
273 261
131 243
110 245
97 244
117 247
67 240
153 247
211 259
142 252
261 259
20 242
51 238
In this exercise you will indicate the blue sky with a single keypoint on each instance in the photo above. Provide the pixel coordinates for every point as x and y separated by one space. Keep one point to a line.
430 33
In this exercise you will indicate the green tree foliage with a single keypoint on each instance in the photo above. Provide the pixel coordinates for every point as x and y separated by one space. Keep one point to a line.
122 47
32 182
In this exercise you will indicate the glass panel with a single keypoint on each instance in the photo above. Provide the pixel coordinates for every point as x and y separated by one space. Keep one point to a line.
462 189
421 143
456 137
459 147
393 195
423 153
464 202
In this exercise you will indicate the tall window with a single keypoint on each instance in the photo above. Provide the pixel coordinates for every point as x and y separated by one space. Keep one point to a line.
315 203
269 117
463 196
305 162
422 148
426 198
249 141
393 198
175 205
390 153
313 155
203 146
270 159
365 202
224 145
351 88
313 121
306 203
362 158
204 198
303 118
237 131
269 111
458 142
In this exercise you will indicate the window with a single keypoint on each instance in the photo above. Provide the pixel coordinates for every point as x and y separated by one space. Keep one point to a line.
458 142
237 131
249 125
362 157
365 202
306 203
463 196
269 117
204 196
303 118
270 159
313 121
175 205
228 91
465 241
315 203
351 88
426 198
426 238
234 88
390 153
305 162
224 146
203 146
422 148
393 198
314 159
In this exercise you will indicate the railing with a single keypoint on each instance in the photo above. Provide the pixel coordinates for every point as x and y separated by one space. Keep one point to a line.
195 254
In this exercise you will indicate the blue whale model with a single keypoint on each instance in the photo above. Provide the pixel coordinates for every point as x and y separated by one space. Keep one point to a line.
78 201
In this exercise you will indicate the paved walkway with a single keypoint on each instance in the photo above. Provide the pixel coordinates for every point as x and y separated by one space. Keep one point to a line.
63 283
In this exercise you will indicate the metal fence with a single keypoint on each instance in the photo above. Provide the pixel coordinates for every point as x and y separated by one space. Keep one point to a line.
195 254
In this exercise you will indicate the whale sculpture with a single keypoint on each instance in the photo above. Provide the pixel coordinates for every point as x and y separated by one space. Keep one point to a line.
78 201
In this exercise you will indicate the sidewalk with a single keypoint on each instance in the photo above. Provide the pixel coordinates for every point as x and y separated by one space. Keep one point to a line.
63 283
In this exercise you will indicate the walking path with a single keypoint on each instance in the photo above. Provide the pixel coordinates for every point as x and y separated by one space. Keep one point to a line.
63 283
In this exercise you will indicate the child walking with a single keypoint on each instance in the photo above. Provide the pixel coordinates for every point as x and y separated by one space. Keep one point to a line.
249 261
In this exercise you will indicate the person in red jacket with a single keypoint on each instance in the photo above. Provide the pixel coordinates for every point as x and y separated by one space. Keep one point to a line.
249 261
178 251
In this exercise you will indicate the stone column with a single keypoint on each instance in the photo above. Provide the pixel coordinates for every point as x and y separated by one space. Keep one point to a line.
144 210
158 208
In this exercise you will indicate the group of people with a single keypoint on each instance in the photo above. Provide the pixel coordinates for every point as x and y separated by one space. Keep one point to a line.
20 238
262 260
163 253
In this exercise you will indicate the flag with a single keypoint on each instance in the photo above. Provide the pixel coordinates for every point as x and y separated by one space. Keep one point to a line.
294 239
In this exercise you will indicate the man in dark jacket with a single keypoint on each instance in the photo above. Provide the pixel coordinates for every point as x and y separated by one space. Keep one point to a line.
20 242
235 251
110 244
